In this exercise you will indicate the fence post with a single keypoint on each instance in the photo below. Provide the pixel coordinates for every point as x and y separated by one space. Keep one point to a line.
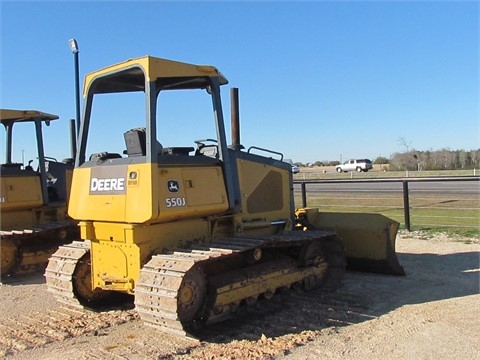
304 195
406 205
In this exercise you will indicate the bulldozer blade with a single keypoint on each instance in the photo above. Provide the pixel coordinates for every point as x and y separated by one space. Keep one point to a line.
369 239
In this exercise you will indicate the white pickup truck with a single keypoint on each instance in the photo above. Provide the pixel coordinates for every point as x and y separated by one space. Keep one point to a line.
358 165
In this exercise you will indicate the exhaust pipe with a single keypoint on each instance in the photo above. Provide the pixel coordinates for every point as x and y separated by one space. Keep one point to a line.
73 139
235 119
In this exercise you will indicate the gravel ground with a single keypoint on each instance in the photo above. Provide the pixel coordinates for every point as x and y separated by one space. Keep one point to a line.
431 313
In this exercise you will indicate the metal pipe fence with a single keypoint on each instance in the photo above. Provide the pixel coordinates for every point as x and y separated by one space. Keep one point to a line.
429 206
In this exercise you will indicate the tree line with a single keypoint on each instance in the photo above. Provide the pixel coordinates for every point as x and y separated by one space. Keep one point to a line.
444 159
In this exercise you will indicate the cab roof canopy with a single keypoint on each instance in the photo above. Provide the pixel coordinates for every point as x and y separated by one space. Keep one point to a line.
8 116
131 75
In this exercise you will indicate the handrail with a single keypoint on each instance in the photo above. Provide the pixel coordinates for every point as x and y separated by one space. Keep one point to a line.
266 150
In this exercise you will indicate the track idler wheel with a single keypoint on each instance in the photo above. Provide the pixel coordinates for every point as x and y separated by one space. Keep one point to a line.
191 296
315 254
9 256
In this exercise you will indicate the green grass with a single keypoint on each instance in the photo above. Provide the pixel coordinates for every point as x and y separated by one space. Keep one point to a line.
438 213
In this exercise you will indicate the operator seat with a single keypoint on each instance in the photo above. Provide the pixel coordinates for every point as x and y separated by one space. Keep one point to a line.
135 141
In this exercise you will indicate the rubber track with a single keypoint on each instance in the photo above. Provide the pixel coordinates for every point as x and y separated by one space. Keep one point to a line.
160 279
60 270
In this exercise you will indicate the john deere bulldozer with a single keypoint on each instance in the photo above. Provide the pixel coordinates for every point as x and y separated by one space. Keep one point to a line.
193 232
34 219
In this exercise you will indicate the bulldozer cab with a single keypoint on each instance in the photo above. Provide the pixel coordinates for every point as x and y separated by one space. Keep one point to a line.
24 187
149 77
34 189
154 169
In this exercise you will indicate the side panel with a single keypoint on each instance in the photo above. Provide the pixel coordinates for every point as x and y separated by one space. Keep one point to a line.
117 193
21 201
86 205
20 193
265 191
190 192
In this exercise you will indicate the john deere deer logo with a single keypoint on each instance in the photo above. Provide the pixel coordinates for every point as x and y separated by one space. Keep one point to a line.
173 186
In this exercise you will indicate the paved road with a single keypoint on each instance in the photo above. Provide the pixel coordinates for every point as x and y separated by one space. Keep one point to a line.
469 188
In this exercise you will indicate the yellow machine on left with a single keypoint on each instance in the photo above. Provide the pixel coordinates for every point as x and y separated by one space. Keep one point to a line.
34 219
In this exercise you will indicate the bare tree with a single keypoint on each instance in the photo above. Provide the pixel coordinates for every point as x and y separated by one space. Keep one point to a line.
403 142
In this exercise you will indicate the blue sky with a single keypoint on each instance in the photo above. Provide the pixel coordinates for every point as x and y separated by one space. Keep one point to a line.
318 80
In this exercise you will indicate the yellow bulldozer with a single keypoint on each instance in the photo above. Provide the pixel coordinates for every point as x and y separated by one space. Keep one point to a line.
34 219
193 232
